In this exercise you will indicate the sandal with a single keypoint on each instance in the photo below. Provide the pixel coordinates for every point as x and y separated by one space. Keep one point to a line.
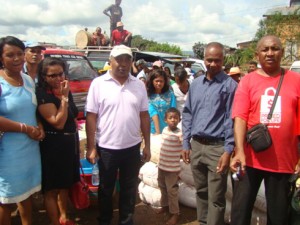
67 222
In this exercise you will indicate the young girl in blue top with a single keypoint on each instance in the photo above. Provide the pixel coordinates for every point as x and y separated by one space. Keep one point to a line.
161 98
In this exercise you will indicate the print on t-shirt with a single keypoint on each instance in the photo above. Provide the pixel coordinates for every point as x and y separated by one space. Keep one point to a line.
266 104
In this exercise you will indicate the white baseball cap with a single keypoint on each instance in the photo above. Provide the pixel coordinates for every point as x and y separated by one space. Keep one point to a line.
120 50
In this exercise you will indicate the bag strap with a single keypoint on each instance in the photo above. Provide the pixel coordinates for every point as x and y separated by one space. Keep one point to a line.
81 169
276 95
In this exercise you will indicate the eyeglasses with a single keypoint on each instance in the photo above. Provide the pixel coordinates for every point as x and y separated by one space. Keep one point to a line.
52 76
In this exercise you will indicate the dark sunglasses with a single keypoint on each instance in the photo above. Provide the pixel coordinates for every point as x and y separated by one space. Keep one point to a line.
52 76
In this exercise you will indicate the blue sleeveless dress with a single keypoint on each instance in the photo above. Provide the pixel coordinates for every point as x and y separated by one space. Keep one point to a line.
20 162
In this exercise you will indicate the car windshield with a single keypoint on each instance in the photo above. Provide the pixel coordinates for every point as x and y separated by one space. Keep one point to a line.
80 69
98 58
98 64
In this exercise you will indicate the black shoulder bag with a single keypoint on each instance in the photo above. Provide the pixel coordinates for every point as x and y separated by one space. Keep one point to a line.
259 136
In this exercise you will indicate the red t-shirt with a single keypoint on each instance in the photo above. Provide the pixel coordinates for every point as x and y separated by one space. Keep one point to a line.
119 36
252 103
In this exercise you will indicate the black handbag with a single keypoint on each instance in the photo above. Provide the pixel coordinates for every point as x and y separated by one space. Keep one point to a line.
259 136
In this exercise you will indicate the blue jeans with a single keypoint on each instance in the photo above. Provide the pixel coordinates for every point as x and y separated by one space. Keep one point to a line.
245 192
127 162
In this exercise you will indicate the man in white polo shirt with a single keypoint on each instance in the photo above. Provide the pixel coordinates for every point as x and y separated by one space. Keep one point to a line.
117 112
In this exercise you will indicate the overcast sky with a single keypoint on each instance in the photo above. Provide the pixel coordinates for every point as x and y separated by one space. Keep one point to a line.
180 22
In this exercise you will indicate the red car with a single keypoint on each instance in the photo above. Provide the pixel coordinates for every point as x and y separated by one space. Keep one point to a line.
80 74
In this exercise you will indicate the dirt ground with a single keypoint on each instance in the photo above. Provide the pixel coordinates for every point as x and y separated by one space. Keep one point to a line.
144 214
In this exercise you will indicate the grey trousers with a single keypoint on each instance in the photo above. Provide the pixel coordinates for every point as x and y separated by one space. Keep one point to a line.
210 186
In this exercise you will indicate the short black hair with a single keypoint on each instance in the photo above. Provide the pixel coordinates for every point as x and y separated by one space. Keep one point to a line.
10 40
181 73
253 63
172 110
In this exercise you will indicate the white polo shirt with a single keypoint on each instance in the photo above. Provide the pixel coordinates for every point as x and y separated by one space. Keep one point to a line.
118 109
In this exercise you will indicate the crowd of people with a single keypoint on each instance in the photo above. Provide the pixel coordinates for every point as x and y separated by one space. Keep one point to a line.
128 104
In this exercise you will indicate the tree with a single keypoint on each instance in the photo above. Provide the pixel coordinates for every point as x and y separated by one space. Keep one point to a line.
240 56
146 45
198 49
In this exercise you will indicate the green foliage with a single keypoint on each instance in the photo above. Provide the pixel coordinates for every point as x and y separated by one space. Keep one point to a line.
148 45
280 25
198 49
240 56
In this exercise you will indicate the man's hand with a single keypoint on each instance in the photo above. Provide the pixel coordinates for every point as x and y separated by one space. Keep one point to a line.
185 154
91 155
297 168
223 163
146 154
238 159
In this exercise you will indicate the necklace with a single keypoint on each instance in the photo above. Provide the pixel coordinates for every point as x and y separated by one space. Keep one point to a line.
18 82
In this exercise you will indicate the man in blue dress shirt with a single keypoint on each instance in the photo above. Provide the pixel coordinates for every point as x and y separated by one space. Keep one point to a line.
208 135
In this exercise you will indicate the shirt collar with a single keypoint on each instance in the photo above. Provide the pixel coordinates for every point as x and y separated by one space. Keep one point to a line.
108 77
219 77
25 68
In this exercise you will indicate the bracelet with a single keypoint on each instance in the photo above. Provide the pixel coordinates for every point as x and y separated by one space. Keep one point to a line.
1 134
65 99
21 126
25 127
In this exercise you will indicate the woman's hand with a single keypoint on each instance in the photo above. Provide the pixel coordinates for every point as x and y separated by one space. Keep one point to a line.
34 133
65 88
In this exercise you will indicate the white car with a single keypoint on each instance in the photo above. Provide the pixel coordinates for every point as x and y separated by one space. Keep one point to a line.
296 66
198 65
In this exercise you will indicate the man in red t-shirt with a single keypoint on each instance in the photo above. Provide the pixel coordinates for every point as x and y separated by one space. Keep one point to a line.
252 102
120 36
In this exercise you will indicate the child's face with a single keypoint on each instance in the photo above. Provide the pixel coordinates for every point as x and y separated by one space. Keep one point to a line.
172 120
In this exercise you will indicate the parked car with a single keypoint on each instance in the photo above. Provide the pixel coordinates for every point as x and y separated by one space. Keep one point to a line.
97 55
296 66
80 74
170 60
198 65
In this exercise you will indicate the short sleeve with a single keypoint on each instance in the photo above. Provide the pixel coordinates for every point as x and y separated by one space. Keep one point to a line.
93 96
43 97
152 110
144 103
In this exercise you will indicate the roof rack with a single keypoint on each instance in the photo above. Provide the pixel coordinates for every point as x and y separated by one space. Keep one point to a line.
95 48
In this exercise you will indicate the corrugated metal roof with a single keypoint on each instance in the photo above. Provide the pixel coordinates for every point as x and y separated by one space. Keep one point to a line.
283 10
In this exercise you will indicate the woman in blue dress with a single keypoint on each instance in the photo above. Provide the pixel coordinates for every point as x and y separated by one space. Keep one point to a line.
161 98
20 162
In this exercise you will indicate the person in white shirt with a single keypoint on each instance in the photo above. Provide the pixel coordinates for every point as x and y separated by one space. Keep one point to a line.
181 87
117 112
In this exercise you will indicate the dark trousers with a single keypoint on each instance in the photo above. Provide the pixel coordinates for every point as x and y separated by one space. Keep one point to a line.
127 162
245 192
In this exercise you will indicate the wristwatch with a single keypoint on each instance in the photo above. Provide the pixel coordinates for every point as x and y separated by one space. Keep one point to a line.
66 99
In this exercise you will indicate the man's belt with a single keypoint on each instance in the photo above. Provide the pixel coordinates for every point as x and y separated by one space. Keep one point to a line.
208 140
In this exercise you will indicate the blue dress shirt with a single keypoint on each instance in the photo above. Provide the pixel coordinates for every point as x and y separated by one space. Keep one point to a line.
207 110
